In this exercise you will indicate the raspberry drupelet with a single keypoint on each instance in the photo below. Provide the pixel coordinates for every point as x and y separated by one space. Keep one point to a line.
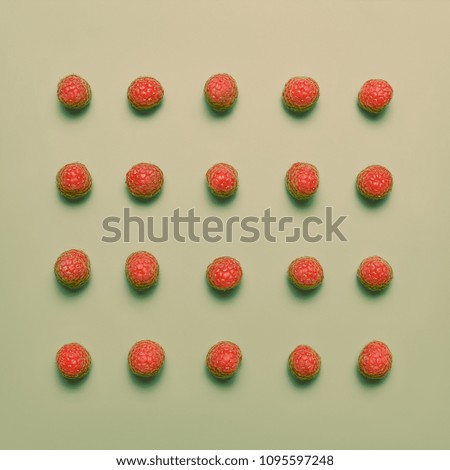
74 92
72 269
304 362
306 273
375 360
374 182
302 180
142 270
222 180
146 358
73 180
73 361
223 359
224 273
221 92
144 180
375 95
145 93
375 273
300 94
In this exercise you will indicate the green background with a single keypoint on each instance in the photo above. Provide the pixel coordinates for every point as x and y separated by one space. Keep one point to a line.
262 44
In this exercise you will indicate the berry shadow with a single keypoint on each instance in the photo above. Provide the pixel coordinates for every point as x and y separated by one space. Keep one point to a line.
371 116
300 203
223 383
371 203
221 295
145 382
71 384
300 383
300 293
220 201
141 293
210 111
370 293
71 113
141 200
74 202
144 113
299 115
67 291
366 382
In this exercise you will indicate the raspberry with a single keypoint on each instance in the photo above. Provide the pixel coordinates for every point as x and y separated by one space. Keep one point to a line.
302 180
304 362
142 270
300 94
73 361
74 92
224 273
222 180
223 359
306 273
144 180
73 180
374 182
375 273
375 95
72 269
145 93
146 358
221 92
375 360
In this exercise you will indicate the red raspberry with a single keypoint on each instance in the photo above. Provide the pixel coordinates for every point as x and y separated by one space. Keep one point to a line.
224 273
375 273
304 362
375 360
223 359
142 270
74 180
306 273
302 180
72 269
374 182
144 180
74 92
375 95
145 93
146 358
300 94
221 92
73 361
222 180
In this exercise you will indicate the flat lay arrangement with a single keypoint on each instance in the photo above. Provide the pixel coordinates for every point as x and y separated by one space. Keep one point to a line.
225 226
145 181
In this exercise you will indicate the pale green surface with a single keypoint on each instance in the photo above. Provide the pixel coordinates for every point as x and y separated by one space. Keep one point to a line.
262 44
